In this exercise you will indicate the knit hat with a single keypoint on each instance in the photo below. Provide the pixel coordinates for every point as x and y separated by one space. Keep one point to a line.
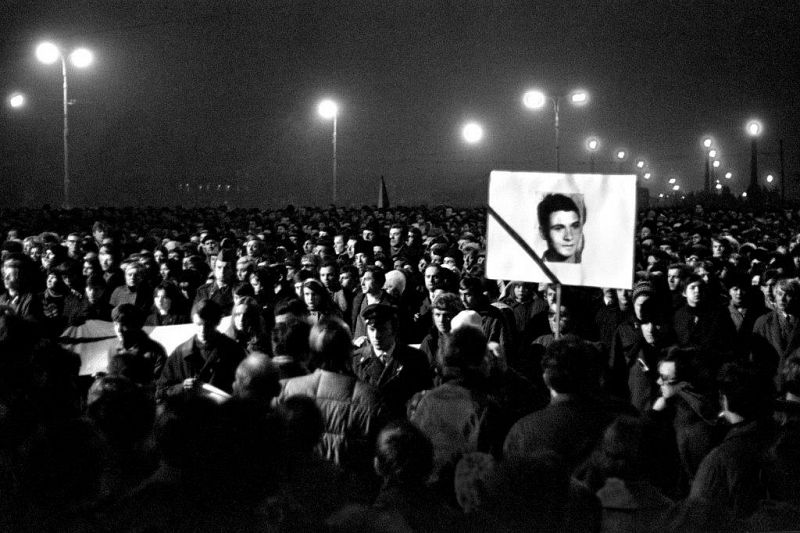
466 318
643 288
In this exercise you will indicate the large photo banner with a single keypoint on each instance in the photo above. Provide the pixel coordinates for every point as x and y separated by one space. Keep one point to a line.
580 227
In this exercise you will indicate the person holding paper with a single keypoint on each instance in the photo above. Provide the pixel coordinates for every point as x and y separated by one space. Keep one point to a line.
561 225
208 357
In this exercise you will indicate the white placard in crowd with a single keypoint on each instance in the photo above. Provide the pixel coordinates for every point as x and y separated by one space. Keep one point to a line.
581 225
93 339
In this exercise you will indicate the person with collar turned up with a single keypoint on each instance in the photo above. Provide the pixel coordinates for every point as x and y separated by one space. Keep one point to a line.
396 369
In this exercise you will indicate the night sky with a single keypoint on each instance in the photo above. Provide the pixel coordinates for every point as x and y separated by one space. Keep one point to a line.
225 93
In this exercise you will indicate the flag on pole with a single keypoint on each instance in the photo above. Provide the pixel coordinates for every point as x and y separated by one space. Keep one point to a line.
383 196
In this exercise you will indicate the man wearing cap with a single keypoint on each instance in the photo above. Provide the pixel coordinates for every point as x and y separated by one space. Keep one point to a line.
396 369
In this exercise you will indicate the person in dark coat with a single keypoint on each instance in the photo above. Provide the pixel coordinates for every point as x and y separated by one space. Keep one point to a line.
686 416
396 369
208 357
731 475
573 422
134 355
493 323
784 459
220 290
353 411
459 416
446 306
403 460
704 324
776 334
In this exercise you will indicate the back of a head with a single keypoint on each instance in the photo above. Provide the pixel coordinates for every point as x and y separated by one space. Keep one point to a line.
403 453
303 423
290 338
257 378
571 366
466 349
330 345
530 494
747 389
120 410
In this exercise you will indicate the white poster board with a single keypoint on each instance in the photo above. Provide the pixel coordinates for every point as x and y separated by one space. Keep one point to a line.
589 238
93 339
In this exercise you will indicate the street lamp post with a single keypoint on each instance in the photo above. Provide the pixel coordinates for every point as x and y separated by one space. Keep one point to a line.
48 53
592 144
329 110
710 153
754 130
536 100
621 156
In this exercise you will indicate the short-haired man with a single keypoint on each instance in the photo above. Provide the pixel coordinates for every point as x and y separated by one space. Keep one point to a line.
372 292
220 290
573 422
459 416
561 226
134 355
208 357
704 324
731 475
676 277
396 369
776 334
108 256
257 379
18 294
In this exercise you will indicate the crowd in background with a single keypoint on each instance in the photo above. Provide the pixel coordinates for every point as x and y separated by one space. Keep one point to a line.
374 379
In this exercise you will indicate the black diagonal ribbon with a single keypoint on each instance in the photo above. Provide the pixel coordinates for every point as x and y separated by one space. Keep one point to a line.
519 240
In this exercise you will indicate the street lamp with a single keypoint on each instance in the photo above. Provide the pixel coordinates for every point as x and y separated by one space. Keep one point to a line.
592 144
620 155
770 178
754 129
710 154
728 175
48 53
536 99
330 111
16 100
472 133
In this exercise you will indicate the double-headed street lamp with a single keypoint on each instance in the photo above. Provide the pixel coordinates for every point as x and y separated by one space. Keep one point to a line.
48 53
329 110
536 99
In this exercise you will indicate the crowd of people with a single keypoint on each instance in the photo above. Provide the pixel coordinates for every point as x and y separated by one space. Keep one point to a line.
375 380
